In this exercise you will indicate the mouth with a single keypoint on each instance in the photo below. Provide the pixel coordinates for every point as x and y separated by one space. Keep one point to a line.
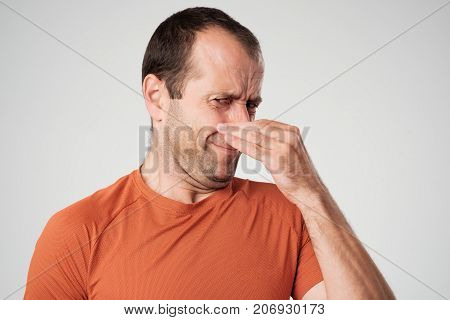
226 147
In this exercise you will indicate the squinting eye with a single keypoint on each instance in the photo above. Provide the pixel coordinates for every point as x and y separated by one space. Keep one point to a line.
252 105
225 101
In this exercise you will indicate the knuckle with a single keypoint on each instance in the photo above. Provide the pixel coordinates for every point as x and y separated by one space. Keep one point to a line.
296 130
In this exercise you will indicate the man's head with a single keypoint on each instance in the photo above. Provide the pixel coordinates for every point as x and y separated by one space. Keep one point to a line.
201 68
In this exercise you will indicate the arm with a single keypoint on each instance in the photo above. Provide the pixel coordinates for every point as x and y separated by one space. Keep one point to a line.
318 292
59 266
348 270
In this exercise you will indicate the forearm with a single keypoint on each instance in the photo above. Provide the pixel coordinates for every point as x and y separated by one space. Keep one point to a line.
347 269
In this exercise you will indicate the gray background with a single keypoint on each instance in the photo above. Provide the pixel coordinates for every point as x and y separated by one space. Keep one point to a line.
378 133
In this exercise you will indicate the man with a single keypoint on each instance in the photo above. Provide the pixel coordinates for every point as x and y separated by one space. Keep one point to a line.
181 226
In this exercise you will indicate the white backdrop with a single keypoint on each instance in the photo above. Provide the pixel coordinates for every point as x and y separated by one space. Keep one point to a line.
373 92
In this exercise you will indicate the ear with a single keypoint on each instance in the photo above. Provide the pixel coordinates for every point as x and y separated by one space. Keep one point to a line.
152 90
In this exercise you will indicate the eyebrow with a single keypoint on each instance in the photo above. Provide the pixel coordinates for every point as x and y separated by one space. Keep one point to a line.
257 99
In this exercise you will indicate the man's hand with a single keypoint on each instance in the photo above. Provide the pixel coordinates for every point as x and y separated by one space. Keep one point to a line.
280 148
348 270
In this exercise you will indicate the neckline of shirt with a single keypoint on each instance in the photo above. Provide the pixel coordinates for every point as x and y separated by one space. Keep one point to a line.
177 207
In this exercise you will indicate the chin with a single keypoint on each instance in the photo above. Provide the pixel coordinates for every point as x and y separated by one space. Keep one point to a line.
218 176
225 172
220 169
223 176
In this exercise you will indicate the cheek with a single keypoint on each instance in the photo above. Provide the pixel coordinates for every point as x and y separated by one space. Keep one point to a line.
207 123
200 124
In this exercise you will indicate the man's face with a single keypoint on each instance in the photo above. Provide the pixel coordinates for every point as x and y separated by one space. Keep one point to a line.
227 89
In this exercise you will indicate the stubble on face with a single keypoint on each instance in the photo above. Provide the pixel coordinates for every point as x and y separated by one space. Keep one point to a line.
189 148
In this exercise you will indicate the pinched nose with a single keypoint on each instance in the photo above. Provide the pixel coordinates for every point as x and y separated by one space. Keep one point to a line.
238 113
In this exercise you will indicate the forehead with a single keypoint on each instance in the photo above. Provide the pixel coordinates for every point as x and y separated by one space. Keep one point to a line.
224 65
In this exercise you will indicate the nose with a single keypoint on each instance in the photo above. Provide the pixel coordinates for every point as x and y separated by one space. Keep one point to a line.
238 112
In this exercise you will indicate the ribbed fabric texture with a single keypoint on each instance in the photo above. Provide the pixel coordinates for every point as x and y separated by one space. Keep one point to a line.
125 241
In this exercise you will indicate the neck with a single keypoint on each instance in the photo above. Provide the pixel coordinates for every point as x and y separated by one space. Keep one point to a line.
164 176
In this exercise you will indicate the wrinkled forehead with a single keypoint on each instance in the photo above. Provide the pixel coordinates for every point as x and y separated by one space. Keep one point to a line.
223 64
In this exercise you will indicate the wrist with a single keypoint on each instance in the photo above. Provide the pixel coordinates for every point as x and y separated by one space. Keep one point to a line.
311 199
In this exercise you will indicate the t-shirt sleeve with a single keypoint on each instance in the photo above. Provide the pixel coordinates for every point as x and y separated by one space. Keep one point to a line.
59 265
308 269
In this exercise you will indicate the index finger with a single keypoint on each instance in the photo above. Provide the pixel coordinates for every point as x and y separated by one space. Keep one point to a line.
270 128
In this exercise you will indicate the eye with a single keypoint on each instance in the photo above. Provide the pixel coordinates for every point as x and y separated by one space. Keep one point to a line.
251 105
223 101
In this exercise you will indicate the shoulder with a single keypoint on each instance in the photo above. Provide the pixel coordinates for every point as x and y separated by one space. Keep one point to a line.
268 196
91 214
59 267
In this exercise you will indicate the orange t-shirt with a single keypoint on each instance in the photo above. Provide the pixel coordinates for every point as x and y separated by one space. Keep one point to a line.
125 241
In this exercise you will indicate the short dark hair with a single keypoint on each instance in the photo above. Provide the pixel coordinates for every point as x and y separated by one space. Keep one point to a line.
168 53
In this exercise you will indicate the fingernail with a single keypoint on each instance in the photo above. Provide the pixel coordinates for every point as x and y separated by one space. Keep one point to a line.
221 126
